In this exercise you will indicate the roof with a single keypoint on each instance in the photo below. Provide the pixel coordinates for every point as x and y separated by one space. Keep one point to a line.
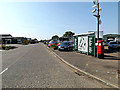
19 37
5 35
84 34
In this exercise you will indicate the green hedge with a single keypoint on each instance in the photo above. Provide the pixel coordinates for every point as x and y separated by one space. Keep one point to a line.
7 47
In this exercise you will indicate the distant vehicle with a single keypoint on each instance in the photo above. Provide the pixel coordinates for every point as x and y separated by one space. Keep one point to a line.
47 42
66 45
107 42
113 44
32 42
19 42
53 43
72 43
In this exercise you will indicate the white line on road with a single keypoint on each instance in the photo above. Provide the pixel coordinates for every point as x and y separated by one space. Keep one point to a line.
4 71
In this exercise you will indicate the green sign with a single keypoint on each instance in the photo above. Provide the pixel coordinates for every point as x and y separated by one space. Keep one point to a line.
76 43
91 45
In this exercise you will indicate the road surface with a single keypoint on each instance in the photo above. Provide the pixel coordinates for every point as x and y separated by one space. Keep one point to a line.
33 66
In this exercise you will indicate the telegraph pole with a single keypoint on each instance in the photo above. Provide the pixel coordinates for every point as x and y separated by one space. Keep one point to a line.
98 22
96 5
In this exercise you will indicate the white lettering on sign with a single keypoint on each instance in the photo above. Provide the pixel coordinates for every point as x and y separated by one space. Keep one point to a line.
75 43
90 45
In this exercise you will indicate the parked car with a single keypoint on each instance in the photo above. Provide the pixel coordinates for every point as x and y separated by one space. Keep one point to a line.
32 42
46 42
53 43
113 44
66 45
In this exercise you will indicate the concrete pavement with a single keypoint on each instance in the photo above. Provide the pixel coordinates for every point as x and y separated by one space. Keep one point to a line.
104 69
33 66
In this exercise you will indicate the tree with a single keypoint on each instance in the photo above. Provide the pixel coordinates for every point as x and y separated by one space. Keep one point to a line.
55 37
68 35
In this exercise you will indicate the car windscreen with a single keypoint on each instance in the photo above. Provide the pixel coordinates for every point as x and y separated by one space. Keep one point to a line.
71 43
52 42
65 43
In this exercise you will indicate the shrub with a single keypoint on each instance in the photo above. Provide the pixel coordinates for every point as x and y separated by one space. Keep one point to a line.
3 47
7 47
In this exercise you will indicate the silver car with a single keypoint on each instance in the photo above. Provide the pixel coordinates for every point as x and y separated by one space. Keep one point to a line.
113 44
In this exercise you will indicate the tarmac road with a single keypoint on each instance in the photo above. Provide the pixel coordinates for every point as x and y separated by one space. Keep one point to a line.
33 66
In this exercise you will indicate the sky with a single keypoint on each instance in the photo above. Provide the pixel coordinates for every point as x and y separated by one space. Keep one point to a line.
42 20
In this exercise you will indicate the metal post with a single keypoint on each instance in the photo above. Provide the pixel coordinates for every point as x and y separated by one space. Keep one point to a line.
98 26
98 22
96 4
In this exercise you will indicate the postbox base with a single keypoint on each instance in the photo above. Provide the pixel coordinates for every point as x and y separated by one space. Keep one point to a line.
101 56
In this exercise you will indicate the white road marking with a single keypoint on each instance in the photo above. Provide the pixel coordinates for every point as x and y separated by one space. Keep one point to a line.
4 71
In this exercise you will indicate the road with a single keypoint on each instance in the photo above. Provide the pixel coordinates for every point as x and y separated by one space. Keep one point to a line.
33 66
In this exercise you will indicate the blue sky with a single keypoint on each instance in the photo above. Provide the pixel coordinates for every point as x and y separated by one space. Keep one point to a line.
42 20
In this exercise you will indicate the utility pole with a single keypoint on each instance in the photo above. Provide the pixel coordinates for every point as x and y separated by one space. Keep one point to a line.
98 22
96 5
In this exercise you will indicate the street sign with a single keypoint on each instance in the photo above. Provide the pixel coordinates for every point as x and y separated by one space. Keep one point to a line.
76 43
91 45
94 11
94 6
96 15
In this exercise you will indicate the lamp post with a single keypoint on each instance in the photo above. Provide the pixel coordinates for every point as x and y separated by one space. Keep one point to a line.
96 5
98 22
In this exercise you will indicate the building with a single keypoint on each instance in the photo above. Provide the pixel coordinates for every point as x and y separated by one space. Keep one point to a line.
20 40
6 38
100 35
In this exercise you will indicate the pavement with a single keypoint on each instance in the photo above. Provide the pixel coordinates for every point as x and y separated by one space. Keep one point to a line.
104 69
33 66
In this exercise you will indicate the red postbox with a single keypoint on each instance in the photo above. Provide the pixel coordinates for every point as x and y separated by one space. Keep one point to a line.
100 49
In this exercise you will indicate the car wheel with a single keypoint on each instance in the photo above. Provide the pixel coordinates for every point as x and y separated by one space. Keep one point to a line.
59 49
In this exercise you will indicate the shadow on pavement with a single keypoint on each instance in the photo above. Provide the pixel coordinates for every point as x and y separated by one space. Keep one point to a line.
65 50
111 54
108 57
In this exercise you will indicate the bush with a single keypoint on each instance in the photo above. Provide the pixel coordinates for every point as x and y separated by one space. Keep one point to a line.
11 47
24 43
7 47
3 47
